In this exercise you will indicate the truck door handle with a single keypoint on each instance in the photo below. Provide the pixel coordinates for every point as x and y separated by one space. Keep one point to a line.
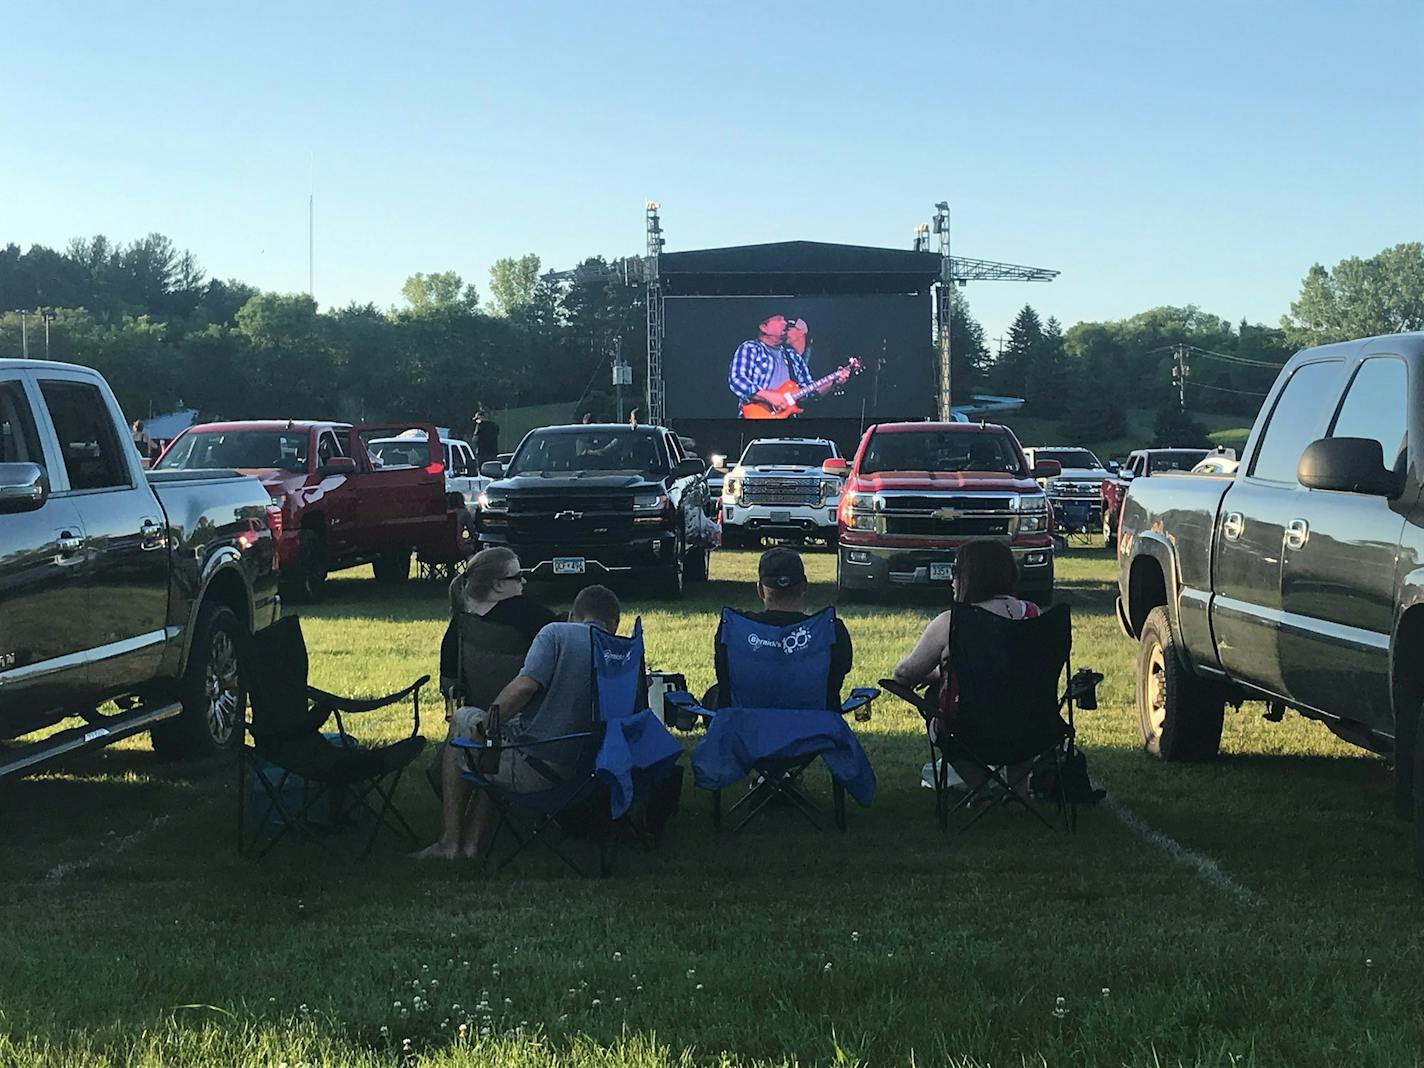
1297 534
154 535
68 544
1232 526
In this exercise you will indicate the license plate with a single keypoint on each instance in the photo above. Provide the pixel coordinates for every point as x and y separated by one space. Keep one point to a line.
941 572
781 517
568 565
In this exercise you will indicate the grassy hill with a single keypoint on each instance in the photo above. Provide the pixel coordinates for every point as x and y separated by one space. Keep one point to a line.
1228 430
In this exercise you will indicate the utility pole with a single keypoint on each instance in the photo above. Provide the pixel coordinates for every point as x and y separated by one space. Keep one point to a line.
24 338
47 315
1179 375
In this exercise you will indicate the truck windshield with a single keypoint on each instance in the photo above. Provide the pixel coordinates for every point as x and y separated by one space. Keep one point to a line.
247 449
781 453
1068 457
593 451
1177 460
929 451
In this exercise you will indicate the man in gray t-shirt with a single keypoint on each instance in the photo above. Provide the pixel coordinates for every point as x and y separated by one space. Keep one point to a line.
551 696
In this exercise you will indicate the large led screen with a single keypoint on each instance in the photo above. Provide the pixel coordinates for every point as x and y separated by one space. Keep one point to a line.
778 358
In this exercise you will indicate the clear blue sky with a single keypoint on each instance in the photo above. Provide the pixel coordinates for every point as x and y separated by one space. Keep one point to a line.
1204 153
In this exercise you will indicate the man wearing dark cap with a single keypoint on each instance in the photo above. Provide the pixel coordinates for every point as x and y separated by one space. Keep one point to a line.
781 588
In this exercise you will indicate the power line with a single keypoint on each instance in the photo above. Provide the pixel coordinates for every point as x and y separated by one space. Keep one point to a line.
1229 358
1223 389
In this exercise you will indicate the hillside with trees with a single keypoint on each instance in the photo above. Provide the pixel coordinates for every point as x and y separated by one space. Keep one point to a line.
166 333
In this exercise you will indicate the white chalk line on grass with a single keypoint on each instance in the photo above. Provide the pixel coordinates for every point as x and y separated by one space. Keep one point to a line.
1203 865
69 867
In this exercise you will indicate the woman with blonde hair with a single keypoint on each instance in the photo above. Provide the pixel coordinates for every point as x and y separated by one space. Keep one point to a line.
491 590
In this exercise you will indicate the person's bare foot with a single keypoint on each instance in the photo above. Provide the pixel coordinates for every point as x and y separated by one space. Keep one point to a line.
437 851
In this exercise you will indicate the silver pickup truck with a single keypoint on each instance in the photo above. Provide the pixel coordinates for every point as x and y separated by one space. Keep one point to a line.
125 596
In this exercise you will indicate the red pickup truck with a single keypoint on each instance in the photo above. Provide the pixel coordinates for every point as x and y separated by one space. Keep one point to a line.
340 506
917 491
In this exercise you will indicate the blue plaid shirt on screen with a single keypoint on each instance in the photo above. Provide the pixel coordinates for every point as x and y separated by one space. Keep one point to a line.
753 364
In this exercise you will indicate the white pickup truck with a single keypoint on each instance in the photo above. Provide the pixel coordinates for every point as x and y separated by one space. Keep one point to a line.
778 490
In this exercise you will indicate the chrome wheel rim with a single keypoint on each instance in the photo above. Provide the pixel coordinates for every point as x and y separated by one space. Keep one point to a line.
1156 694
223 688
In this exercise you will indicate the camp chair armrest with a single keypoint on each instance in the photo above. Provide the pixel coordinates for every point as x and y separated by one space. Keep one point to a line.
351 704
921 702
859 698
685 702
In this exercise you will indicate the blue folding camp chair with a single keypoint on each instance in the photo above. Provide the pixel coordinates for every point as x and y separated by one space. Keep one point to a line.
775 723
621 758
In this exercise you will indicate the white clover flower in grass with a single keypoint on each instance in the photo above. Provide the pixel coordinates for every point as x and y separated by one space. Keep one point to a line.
692 973
1106 991
425 967
395 1004
1060 1007
455 1007
385 1031
1369 962
596 1003
699 986
617 957
638 990
434 984
827 968
855 936
508 1003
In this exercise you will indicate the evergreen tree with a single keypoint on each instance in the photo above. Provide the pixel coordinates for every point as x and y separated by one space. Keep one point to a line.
1010 371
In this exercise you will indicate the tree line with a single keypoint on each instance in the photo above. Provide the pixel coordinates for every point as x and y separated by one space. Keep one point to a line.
166 334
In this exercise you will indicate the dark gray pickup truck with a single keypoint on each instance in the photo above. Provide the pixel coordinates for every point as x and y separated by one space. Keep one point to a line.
1299 580
124 595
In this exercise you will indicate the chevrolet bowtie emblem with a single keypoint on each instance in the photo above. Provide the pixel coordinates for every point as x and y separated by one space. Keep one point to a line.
946 514
568 515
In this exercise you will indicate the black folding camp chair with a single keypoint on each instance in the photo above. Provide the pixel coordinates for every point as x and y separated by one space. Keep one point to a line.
311 782
1009 713
576 797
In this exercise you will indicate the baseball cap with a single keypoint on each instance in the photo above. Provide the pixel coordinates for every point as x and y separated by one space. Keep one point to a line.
781 569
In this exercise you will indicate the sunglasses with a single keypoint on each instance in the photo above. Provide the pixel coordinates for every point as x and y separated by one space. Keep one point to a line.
510 578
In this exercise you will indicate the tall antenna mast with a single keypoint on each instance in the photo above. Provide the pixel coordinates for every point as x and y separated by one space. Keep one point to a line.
311 230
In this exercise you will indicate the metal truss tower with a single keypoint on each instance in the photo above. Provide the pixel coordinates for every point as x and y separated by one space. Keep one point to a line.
656 391
959 270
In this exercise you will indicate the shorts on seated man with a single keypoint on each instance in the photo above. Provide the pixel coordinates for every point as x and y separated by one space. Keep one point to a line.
551 696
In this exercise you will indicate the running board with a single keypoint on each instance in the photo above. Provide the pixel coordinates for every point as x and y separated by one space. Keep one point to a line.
17 762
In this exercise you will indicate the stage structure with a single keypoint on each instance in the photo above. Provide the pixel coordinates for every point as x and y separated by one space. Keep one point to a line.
806 269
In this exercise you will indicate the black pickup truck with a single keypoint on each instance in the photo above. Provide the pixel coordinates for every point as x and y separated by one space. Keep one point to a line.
1299 580
124 595
600 500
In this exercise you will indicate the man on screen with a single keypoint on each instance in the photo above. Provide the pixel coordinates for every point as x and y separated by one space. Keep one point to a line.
775 362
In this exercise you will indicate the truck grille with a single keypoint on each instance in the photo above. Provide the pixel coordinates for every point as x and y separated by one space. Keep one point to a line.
946 516
791 491
969 526
570 519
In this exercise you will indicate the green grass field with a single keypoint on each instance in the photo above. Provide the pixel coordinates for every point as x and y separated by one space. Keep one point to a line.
1260 910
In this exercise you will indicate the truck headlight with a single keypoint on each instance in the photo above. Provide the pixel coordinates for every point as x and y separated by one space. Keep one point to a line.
830 489
651 508
494 501
1029 524
732 488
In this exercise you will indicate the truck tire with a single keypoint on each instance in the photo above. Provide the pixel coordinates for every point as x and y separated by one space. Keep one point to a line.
392 566
1178 714
674 580
1418 829
214 698
698 562
308 579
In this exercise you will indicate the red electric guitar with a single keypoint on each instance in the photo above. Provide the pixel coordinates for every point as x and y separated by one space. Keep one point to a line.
793 394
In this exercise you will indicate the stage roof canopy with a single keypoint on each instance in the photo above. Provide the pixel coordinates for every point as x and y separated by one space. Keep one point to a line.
797 267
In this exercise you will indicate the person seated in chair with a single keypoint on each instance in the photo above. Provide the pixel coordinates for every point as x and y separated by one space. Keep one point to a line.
492 588
551 696
781 588
984 575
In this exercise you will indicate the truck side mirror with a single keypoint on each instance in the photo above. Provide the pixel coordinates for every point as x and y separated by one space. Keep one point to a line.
1347 465
836 465
492 469
337 465
688 468
23 488
1047 469
1126 474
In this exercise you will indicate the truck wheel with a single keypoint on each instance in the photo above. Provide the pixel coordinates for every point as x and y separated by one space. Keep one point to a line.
214 699
1178 713
309 578
674 581
697 565
392 566
1418 765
